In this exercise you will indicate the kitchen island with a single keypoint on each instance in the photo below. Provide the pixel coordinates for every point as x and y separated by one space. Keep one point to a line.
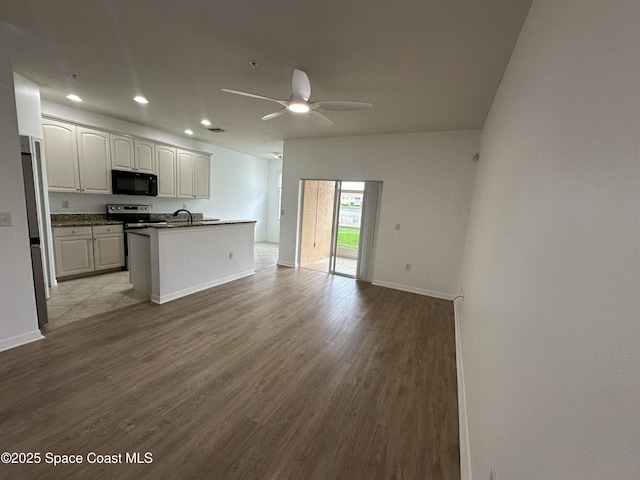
170 261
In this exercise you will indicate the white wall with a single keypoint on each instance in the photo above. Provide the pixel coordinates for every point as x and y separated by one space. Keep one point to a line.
239 188
273 200
28 106
18 317
427 183
238 181
551 314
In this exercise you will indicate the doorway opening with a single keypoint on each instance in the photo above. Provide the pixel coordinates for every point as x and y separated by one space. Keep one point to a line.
338 226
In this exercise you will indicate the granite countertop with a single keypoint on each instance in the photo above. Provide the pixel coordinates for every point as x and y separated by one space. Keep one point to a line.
81 220
92 219
201 223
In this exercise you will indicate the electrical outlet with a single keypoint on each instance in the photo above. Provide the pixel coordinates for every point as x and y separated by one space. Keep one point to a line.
65 204
397 226
230 255
184 205
408 267
151 206
5 219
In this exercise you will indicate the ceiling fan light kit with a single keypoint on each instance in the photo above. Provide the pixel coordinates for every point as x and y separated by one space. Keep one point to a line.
299 101
298 107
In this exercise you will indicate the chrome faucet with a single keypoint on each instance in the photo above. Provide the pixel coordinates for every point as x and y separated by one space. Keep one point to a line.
175 214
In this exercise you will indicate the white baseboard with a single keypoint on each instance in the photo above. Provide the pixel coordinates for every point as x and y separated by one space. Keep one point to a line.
282 263
18 340
419 291
465 453
160 299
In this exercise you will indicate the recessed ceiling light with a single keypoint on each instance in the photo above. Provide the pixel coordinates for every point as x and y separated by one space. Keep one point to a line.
188 132
140 99
206 123
75 98
298 107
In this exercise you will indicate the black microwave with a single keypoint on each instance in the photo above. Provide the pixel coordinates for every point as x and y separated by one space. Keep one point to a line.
134 183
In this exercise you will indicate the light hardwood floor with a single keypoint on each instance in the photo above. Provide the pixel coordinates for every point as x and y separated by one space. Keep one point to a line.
288 374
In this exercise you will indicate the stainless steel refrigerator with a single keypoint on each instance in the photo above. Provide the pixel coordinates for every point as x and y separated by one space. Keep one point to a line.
30 190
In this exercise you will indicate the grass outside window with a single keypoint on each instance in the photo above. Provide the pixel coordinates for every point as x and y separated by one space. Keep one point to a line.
348 237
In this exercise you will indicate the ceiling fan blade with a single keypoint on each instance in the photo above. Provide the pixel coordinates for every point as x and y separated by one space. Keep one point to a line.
300 85
284 103
339 106
275 114
318 118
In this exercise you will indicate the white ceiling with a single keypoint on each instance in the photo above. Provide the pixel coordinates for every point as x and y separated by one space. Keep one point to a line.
426 65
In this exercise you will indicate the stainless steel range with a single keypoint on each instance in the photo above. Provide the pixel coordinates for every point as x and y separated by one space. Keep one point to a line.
133 216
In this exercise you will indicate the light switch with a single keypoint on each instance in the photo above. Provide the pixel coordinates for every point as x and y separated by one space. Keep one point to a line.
5 219
397 226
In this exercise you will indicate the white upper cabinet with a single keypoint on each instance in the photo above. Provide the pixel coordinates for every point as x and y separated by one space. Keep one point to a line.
131 154
145 160
166 164
80 159
194 171
122 153
186 173
61 155
94 156
202 179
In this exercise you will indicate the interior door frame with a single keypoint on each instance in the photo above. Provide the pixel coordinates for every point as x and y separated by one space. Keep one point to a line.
333 252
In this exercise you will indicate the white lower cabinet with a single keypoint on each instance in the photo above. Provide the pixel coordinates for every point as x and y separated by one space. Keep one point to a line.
73 250
108 247
88 249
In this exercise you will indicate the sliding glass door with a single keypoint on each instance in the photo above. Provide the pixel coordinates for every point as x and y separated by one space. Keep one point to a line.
333 217
346 228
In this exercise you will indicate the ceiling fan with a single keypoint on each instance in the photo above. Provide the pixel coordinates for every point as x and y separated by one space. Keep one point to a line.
299 101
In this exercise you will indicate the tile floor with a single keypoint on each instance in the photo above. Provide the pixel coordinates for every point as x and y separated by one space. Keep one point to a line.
80 298
265 254
344 266
73 300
